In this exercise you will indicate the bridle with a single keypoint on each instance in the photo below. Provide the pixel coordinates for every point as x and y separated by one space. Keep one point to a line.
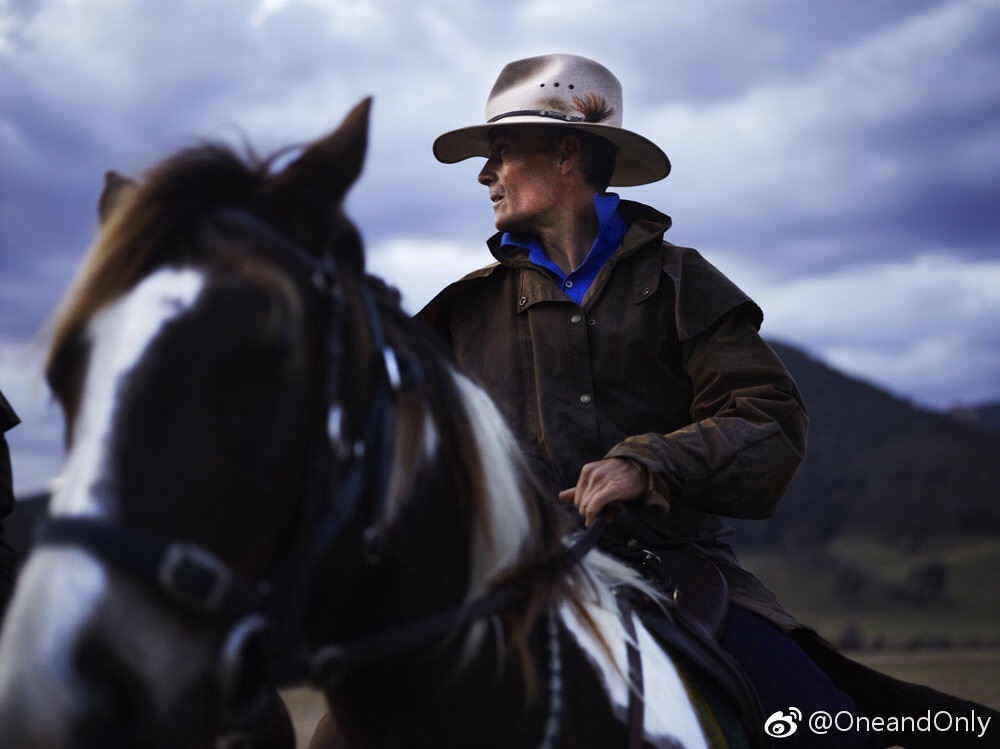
266 616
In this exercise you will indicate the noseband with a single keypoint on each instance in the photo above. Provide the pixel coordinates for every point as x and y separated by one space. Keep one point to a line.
272 610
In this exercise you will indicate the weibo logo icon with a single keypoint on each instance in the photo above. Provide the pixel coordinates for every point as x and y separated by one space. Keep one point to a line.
780 725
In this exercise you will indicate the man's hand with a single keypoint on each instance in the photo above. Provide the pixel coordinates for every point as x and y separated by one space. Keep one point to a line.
603 482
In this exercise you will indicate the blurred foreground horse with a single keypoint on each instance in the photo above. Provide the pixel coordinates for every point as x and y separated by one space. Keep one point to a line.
274 477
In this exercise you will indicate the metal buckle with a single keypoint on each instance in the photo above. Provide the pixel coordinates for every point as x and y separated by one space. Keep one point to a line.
194 577
392 369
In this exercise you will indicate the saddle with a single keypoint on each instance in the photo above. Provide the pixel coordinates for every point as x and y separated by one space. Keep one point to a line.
692 583
691 628
695 585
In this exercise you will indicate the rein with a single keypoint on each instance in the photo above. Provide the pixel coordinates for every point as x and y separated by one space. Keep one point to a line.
330 663
197 581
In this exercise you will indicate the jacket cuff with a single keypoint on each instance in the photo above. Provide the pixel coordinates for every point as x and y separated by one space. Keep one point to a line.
657 496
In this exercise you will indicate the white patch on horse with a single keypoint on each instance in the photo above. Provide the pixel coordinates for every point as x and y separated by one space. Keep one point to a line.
119 335
508 521
668 715
58 586
62 586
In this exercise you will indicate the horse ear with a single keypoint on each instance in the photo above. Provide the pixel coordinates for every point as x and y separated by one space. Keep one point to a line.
115 186
310 190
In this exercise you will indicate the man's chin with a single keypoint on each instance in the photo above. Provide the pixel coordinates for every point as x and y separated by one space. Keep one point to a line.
503 223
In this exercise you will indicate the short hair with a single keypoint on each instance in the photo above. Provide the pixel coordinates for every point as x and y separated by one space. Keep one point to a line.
597 155
597 159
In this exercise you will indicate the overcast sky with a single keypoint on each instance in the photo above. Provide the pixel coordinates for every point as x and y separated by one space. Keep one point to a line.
840 160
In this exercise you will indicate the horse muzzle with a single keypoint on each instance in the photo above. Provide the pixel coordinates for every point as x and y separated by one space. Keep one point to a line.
97 673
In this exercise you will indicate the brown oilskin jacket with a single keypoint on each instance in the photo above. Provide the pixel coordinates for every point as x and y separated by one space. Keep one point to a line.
661 363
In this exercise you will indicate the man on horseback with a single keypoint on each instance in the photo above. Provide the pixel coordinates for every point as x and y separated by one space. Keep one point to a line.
630 365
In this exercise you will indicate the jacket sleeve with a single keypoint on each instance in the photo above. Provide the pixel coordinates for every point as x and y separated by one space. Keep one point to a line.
747 434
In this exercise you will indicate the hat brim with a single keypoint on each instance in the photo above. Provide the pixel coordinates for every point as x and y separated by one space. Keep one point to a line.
639 161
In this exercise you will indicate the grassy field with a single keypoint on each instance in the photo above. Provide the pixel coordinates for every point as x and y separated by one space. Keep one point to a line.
306 706
862 593
970 674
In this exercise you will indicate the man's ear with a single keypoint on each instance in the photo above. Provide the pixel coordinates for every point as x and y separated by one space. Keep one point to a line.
568 151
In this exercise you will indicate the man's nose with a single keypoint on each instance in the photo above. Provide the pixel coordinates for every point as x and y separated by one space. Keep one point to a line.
486 175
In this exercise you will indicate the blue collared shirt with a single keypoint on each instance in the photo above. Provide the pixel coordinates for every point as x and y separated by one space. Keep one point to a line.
611 229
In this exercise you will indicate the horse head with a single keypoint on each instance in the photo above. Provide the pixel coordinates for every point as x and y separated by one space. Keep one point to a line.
192 360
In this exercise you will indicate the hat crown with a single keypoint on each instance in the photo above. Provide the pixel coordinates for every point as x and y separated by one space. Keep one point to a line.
562 87
561 90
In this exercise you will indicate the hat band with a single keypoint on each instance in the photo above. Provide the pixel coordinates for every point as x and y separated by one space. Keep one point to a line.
551 114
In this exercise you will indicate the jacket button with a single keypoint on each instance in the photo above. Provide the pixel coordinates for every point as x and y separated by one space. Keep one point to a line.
645 292
591 322
523 301
576 318
586 398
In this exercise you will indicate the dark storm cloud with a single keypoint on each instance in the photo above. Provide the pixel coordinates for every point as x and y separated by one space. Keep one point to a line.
838 159
883 146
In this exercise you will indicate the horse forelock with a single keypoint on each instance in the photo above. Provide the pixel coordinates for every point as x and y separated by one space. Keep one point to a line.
149 227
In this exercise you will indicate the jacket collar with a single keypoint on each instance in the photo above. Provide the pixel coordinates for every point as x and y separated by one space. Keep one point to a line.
644 224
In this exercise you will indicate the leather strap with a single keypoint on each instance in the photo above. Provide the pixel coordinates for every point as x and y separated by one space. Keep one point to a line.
636 692
190 576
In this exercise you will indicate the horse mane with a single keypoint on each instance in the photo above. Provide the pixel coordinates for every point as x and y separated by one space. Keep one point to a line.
513 518
144 226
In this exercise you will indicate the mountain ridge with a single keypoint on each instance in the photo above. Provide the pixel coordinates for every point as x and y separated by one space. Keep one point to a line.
878 465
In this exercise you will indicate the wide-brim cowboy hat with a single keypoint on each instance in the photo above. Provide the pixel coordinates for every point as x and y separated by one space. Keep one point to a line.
563 90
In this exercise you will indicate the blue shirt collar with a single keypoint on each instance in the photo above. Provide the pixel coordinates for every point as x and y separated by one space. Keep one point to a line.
610 231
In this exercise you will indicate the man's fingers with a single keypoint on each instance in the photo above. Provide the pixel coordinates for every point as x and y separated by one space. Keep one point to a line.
601 483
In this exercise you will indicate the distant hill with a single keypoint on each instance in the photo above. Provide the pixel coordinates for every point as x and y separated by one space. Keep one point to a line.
878 466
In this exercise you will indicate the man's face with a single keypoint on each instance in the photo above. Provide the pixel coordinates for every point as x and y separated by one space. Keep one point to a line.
522 177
